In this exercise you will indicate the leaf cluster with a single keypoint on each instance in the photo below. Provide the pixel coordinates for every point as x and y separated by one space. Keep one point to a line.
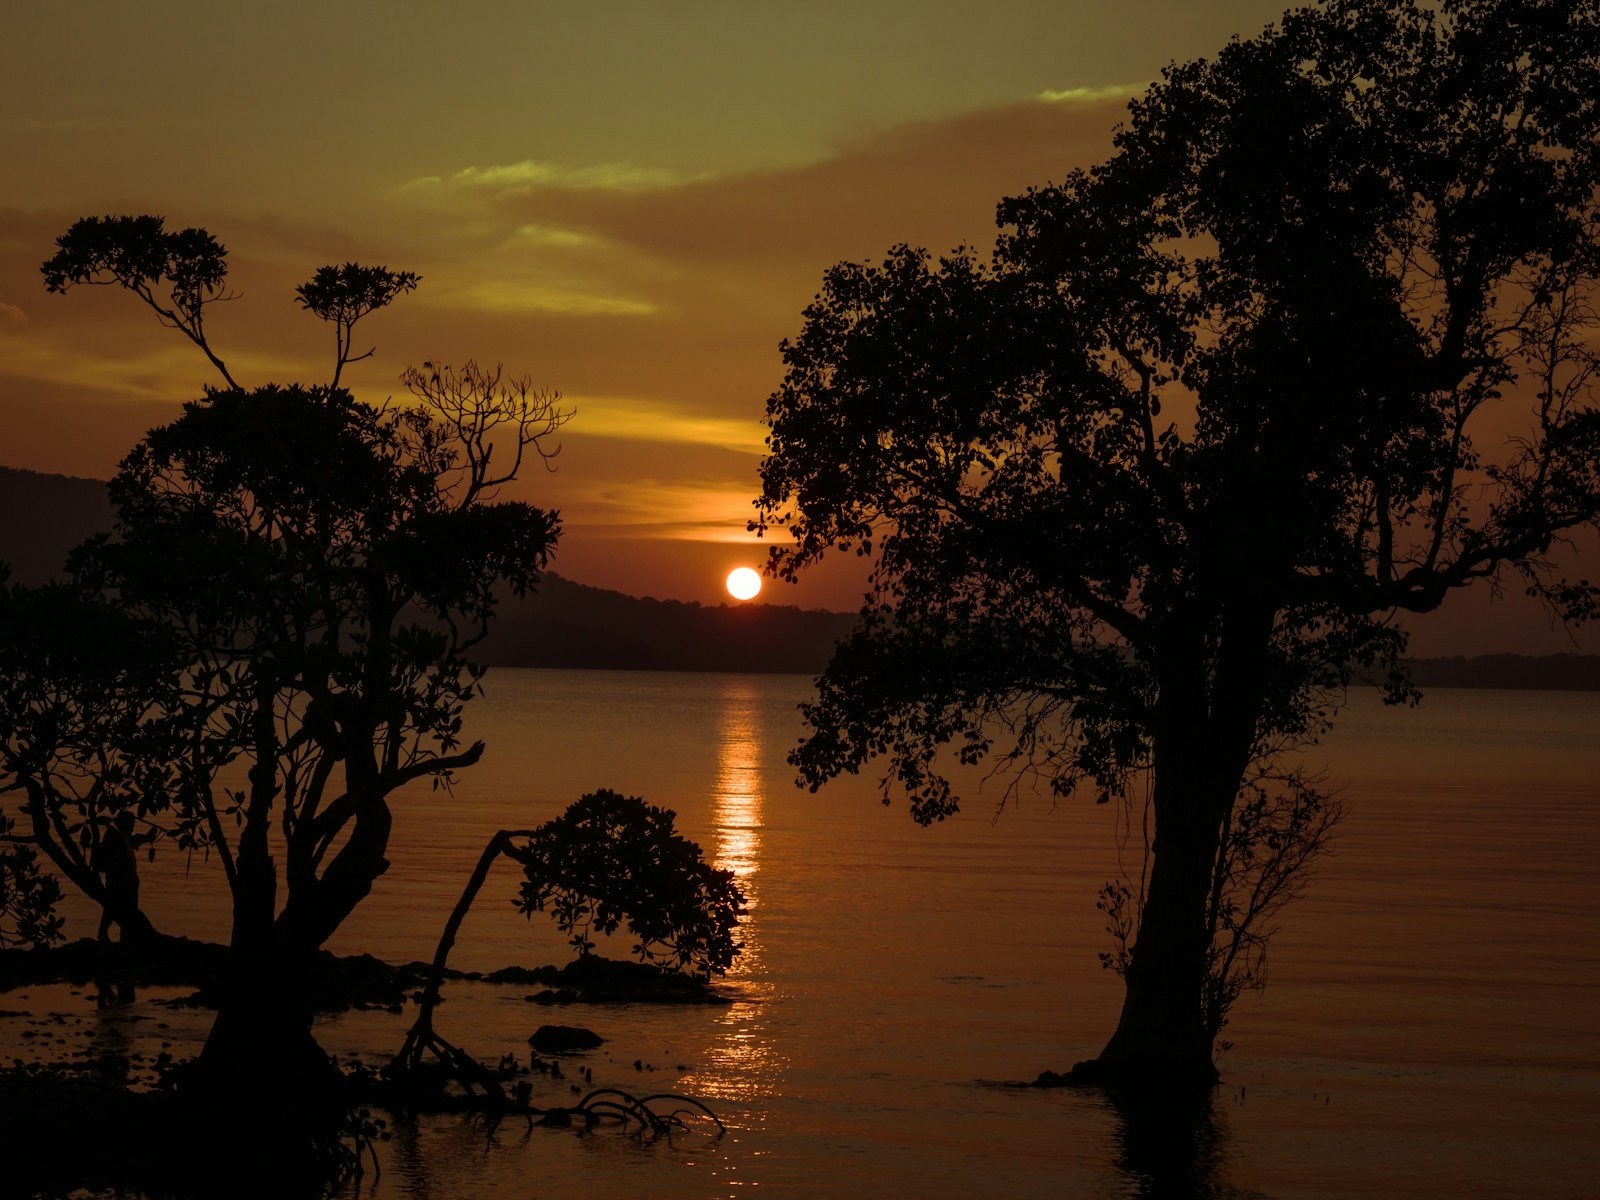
80 684
613 861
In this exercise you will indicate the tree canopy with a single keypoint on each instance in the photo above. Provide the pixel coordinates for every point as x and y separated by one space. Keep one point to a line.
1145 487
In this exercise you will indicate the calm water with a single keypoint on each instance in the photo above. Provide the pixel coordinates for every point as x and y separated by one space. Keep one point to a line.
1432 1025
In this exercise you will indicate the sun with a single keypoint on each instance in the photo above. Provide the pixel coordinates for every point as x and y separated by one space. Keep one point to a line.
743 583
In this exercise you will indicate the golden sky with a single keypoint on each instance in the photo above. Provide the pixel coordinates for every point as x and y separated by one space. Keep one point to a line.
631 202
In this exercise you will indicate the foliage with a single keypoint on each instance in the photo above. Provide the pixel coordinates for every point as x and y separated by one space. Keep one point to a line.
611 861
344 294
326 592
28 897
1146 489
79 682
176 274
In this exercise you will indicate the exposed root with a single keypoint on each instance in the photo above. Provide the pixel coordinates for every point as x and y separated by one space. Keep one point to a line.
421 1075
616 1104
450 1064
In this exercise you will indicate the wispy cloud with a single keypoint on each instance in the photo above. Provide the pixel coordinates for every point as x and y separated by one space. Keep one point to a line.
652 508
508 296
161 368
1086 95
533 176
654 421
555 237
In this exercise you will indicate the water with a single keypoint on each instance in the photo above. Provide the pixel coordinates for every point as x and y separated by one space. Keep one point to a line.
1431 1027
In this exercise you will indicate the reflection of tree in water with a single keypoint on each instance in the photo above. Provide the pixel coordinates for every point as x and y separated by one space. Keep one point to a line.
1172 1146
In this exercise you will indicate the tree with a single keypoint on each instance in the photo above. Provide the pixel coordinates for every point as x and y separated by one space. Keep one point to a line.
612 861
323 568
1147 488
609 861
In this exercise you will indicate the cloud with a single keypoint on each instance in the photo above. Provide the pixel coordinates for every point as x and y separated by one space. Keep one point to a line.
655 421
705 511
514 296
1085 95
533 176
933 182
555 237
11 315
654 300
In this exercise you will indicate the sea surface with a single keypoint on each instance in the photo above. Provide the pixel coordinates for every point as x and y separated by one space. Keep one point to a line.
1431 1026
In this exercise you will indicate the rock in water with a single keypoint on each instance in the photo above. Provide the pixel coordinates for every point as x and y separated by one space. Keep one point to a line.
564 1039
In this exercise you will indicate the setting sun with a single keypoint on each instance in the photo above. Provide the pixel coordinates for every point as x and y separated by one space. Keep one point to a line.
744 583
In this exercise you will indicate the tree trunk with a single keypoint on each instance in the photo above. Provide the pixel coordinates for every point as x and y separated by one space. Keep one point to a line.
264 1106
261 1043
1162 1037
134 926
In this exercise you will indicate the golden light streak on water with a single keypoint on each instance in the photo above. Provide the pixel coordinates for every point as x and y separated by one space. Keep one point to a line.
737 798
744 1066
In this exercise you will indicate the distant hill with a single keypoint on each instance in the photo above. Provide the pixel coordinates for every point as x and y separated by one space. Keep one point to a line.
565 624
569 624
1545 672
572 625
44 516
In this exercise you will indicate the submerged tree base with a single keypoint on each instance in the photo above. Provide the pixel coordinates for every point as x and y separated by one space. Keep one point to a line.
1132 1076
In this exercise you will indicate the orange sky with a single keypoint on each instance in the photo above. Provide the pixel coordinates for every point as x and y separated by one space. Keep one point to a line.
631 202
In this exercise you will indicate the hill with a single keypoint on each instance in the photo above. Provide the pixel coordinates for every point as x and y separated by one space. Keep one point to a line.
1544 672
573 625
570 624
44 516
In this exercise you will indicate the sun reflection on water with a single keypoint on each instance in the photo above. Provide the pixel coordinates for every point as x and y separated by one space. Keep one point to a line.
736 795
744 1065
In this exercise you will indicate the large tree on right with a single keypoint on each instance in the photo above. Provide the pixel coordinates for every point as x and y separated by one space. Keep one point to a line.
1147 487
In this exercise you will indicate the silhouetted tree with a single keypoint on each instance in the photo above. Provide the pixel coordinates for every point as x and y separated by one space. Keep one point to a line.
177 275
343 295
609 861
323 567
1146 488
612 861
326 588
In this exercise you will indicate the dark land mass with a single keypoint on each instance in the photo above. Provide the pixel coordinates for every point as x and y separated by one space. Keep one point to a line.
1546 672
44 516
572 625
342 982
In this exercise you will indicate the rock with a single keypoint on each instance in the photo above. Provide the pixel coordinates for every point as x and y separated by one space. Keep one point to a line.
564 1039
560 996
